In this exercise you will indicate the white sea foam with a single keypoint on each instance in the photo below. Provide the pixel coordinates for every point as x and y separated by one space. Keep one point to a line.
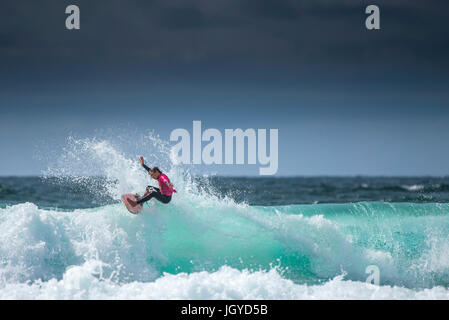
415 187
83 282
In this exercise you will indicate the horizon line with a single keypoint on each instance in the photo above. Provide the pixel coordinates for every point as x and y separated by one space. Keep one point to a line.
258 176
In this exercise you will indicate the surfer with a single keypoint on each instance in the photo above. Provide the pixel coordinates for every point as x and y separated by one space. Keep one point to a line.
163 193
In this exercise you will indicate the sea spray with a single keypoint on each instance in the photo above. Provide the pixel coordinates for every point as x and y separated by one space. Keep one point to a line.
315 243
208 243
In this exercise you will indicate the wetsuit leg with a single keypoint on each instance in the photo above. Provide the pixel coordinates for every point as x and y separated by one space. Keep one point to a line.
155 193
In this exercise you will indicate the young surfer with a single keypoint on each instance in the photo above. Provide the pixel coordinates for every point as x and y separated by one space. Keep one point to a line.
163 193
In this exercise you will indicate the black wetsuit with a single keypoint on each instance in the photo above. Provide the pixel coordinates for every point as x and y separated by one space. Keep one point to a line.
154 193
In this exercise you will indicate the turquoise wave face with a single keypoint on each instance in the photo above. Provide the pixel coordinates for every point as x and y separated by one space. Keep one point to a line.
309 244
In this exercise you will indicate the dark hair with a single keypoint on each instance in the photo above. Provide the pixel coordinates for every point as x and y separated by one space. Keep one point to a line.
156 169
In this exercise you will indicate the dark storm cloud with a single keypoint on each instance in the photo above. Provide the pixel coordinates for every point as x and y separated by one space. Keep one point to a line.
154 31
186 16
6 40
241 42
276 10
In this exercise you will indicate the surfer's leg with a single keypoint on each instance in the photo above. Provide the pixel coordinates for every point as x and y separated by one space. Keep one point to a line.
162 198
146 198
155 193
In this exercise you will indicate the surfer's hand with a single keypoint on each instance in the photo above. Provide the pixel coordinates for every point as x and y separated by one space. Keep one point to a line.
141 161
170 185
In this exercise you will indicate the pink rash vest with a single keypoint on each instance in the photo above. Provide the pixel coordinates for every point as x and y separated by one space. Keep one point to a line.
163 185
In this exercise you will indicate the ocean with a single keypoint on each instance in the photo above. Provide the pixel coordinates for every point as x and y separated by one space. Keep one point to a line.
64 235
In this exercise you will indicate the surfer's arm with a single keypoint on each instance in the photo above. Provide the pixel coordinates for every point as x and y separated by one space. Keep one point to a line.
142 163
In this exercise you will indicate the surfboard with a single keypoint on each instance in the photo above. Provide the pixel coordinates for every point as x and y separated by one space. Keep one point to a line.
133 210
